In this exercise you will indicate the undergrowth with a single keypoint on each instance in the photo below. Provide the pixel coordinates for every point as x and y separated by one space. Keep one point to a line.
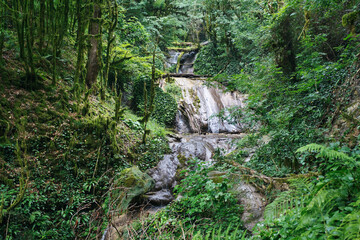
71 148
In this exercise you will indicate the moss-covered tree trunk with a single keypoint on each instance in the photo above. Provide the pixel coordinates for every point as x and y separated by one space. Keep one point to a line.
111 37
3 27
23 15
41 25
149 109
60 27
94 52
2 41
81 13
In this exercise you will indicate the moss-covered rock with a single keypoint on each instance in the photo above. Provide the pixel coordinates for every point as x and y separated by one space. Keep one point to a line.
130 184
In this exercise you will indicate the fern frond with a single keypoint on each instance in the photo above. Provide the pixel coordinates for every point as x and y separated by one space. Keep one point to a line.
298 197
350 227
217 234
312 147
325 152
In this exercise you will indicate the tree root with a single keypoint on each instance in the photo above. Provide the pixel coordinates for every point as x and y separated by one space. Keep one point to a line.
277 183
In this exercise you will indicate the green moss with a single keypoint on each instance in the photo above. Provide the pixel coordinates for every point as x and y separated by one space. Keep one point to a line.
178 62
216 176
182 49
196 98
134 183
349 19
165 106
174 90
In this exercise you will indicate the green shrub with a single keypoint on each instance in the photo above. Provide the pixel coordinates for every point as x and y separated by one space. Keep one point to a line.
165 106
211 61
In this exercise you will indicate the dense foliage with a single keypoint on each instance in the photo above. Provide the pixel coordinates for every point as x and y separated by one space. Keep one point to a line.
70 71
323 207
204 205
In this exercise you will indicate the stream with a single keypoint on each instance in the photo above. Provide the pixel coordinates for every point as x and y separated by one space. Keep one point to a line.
200 132
202 127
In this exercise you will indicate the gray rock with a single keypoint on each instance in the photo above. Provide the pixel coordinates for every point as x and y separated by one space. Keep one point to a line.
253 202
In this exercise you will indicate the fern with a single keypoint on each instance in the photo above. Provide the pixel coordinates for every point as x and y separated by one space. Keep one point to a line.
325 152
320 205
218 234
350 226
294 199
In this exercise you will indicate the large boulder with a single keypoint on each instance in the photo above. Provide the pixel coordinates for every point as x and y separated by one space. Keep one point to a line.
131 183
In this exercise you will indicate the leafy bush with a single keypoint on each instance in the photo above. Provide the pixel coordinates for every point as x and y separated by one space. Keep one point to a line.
212 60
173 90
165 106
151 153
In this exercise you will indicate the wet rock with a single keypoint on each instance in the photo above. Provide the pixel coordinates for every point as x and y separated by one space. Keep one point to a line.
174 137
160 198
201 104
198 112
253 202
198 149
164 173
187 62
172 58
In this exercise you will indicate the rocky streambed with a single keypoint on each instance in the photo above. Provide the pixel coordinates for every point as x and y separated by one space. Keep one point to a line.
203 126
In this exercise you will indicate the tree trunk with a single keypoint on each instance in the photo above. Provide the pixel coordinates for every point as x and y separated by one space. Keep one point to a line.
42 25
2 41
80 40
2 33
94 54
111 39
149 109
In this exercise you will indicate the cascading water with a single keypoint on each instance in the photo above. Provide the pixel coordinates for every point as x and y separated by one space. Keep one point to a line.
186 62
201 130
203 126
172 59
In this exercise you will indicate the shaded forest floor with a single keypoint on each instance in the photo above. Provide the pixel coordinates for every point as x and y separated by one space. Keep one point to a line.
64 148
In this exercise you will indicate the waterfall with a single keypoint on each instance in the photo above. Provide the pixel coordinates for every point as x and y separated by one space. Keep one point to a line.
186 61
172 59
200 127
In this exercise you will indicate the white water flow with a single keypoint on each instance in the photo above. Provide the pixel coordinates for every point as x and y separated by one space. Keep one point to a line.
200 131
203 125
172 58
186 63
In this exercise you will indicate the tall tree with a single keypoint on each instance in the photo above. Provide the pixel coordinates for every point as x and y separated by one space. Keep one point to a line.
111 37
23 15
82 21
94 52
3 27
